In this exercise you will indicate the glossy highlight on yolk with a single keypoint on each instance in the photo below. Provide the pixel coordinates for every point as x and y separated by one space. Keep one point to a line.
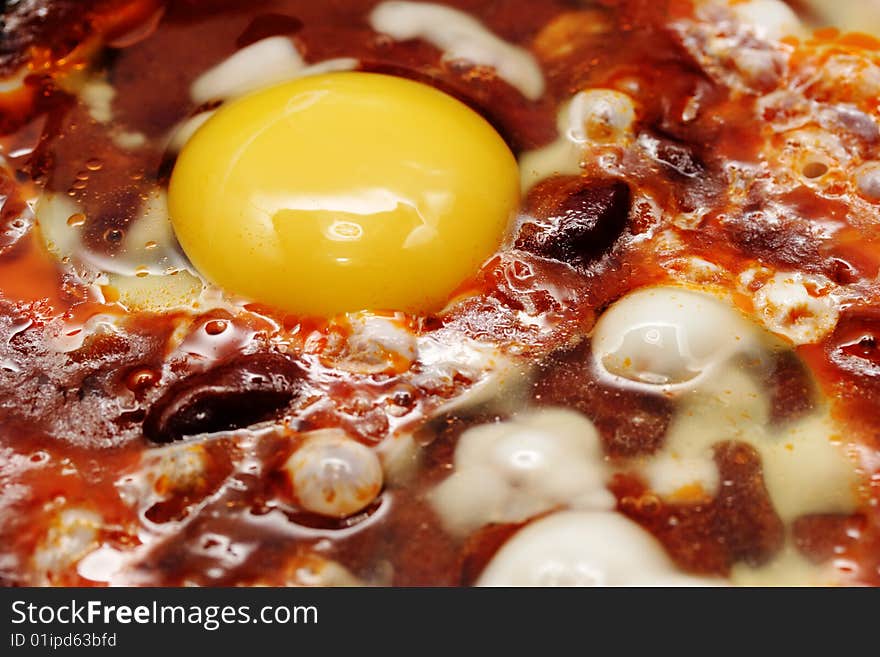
343 192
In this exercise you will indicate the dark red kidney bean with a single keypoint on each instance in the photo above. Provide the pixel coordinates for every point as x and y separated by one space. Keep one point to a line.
237 394
576 220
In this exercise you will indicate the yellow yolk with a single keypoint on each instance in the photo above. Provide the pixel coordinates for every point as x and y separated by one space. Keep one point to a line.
342 192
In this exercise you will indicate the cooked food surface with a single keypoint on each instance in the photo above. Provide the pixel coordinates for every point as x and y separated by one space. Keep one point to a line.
496 293
397 193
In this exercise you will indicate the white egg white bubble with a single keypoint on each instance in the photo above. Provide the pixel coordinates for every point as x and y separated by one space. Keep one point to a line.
334 475
667 338
511 471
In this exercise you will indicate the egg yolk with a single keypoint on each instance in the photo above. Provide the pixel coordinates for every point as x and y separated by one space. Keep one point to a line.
343 192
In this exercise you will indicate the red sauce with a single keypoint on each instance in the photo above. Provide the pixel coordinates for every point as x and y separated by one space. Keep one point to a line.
75 423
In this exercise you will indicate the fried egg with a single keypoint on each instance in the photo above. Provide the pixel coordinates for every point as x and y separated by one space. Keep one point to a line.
342 192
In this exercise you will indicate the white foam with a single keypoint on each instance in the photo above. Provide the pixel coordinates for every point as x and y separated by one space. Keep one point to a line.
445 357
71 535
98 95
376 343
